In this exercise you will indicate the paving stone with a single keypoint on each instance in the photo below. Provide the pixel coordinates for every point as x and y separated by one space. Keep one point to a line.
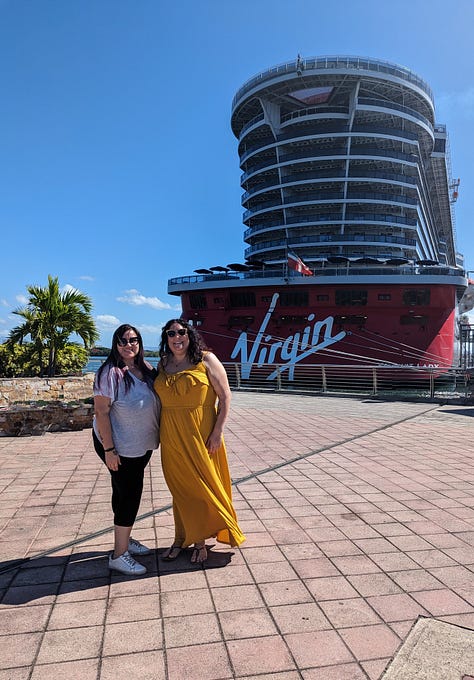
347 547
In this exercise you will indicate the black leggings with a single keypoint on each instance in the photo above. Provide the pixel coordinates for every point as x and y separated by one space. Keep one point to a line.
127 485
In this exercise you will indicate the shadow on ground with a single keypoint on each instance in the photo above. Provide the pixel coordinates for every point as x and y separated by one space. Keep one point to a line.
23 581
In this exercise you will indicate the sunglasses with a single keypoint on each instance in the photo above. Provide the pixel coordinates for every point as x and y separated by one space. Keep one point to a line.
180 331
123 342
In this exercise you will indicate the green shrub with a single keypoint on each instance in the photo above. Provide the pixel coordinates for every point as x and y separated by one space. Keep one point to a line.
21 361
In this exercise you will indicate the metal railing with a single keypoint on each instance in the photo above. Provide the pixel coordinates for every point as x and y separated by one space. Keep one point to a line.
396 382
333 63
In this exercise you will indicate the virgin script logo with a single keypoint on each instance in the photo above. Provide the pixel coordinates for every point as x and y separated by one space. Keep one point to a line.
263 349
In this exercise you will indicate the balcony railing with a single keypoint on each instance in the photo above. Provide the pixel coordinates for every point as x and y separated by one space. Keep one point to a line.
336 218
333 63
330 197
339 238
381 103
394 382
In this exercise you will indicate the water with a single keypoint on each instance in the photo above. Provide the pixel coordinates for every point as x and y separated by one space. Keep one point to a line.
95 363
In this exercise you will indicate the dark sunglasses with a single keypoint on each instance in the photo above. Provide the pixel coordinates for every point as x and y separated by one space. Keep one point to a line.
180 331
123 342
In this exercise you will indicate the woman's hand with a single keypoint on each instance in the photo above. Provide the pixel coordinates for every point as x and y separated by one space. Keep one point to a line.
214 441
112 460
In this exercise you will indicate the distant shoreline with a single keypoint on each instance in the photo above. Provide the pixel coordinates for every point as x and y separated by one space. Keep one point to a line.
95 362
104 352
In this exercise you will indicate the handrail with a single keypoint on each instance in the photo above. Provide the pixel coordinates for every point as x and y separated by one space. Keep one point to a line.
382 103
350 218
330 154
351 269
332 197
328 238
331 63
393 381
323 131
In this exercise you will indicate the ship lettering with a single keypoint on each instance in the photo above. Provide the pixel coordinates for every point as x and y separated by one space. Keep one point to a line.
290 351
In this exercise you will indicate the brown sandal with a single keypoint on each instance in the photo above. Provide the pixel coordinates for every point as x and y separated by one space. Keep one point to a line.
171 553
199 550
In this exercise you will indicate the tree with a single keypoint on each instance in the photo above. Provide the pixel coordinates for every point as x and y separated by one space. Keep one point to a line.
50 318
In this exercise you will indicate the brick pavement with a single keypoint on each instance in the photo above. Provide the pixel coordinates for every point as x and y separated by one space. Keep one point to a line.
359 517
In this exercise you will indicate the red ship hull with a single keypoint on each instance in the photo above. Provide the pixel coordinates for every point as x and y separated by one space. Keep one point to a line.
371 324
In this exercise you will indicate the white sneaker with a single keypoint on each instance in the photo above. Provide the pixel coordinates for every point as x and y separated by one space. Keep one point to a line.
137 548
126 564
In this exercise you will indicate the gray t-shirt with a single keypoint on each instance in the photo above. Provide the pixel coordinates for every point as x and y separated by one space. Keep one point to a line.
134 415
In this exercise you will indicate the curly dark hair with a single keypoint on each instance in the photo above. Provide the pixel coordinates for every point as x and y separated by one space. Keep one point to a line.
197 347
115 360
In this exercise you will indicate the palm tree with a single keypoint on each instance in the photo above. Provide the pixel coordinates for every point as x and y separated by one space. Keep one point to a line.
31 327
51 317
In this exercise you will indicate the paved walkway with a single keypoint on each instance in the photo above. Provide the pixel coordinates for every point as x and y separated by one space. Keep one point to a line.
359 518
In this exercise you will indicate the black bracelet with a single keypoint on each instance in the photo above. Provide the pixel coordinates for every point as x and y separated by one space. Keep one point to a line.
111 449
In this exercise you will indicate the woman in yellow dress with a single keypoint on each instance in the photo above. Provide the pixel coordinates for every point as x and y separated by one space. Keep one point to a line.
195 400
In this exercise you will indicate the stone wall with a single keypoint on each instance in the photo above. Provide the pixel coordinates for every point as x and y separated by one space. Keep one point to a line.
54 416
32 406
27 390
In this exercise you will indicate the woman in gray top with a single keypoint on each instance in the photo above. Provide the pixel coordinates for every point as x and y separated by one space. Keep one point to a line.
125 432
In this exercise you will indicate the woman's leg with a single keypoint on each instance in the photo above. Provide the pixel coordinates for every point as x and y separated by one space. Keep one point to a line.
126 494
121 539
173 551
127 485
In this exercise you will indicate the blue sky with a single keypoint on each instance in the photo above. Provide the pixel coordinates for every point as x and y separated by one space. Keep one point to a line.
118 167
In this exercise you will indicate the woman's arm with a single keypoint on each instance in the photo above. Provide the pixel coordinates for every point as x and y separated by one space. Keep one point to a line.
102 415
218 377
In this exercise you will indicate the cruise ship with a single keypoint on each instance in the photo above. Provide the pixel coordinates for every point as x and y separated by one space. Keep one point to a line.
348 219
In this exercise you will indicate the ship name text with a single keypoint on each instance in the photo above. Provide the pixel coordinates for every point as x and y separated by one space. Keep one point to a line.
289 351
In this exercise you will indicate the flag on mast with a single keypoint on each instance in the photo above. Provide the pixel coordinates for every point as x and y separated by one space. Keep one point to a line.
296 263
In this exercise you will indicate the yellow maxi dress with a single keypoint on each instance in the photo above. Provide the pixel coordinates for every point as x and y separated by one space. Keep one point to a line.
200 484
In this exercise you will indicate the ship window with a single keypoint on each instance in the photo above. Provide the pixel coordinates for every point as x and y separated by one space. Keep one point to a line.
322 298
242 299
197 301
351 319
413 320
416 297
384 296
351 298
294 298
240 321
218 300
293 319
266 298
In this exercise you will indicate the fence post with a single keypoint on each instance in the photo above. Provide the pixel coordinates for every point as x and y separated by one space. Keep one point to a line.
432 385
278 379
323 379
374 381
237 376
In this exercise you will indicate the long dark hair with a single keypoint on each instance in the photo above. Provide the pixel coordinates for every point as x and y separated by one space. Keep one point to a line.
196 348
115 360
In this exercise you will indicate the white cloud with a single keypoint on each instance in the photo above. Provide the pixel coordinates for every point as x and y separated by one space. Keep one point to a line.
22 299
86 278
68 288
134 297
4 303
150 329
107 321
